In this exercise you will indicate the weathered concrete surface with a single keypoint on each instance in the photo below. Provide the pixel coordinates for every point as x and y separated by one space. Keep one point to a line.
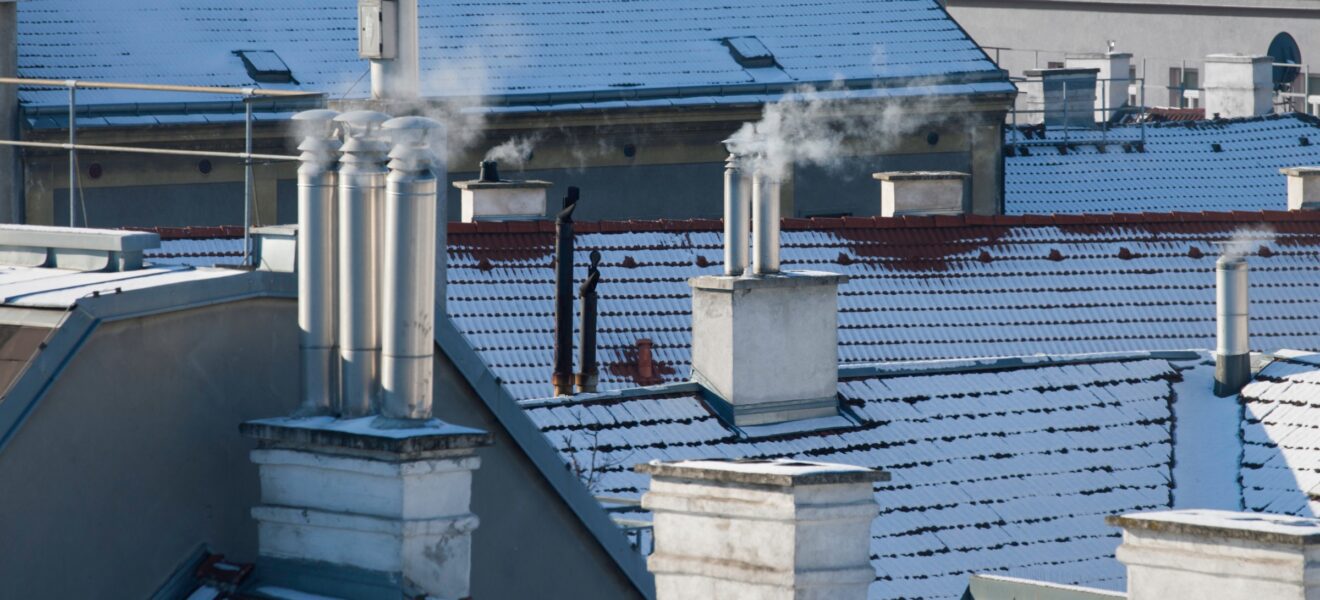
499 200
1194 554
761 530
134 458
922 193
768 345
1238 86
1303 187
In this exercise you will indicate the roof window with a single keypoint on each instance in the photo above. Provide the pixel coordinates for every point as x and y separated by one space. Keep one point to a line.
265 66
750 52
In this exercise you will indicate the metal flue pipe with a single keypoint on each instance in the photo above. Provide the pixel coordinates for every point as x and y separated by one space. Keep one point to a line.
737 209
589 376
562 379
317 263
408 275
1232 353
361 197
399 78
765 212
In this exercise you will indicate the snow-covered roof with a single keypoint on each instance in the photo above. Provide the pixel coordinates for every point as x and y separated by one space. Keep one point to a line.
1178 168
919 288
530 50
1006 471
37 287
1280 469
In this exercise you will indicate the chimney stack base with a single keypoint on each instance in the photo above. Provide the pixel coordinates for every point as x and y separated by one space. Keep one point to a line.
343 500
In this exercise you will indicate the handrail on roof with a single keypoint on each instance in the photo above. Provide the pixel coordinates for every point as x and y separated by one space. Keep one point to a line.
154 87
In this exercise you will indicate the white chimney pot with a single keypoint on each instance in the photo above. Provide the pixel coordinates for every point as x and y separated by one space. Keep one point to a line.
1062 97
1197 554
1237 85
1112 76
922 193
763 530
503 200
1303 188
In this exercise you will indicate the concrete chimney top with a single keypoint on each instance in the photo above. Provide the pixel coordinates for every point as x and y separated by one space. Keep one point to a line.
1062 97
1194 554
1303 187
1238 85
922 192
489 198
761 529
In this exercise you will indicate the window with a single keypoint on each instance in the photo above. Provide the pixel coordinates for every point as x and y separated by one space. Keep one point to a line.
1184 87
265 66
750 52
1054 65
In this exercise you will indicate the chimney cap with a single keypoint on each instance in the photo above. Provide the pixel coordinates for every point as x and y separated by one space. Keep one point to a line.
1300 171
1258 527
478 184
1238 58
918 175
316 115
777 472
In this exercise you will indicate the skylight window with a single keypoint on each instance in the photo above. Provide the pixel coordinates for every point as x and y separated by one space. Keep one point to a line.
265 66
750 52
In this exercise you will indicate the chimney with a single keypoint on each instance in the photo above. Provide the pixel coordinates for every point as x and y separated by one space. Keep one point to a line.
761 529
388 37
562 378
361 196
1232 355
1197 554
1237 85
1303 187
589 376
922 193
408 280
1066 97
765 343
1112 79
737 209
489 198
367 505
318 228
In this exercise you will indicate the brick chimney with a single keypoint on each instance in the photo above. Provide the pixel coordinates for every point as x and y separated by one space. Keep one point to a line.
922 193
763 529
1237 85
489 198
1198 554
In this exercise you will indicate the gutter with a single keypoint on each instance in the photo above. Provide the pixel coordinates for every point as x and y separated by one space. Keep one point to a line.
544 456
82 319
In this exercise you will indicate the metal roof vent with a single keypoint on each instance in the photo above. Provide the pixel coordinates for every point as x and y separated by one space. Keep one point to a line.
265 66
750 52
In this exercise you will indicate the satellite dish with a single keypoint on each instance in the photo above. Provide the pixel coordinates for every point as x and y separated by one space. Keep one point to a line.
1284 50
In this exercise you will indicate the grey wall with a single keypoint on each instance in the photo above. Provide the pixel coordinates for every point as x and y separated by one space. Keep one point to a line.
849 189
11 186
173 205
529 543
133 458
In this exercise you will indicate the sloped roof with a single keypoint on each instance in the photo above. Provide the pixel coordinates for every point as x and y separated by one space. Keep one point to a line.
1176 169
1280 469
497 47
920 288
1007 471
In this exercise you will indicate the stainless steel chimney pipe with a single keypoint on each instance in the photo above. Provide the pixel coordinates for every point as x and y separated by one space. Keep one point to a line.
737 206
361 195
1232 353
409 270
317 259
765 212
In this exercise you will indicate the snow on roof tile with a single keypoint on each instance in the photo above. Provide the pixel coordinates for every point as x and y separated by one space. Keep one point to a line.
1004 472
1177 168
1113 283
495 46
1280 468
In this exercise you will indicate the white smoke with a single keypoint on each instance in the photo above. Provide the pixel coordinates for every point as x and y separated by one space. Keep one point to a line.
516 151
1247 240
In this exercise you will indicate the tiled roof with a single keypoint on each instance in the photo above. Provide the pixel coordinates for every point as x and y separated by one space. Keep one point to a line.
1281 437
920 288
1178 168
497 46
1005 472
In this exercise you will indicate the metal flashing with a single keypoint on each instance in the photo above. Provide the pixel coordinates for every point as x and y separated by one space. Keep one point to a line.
934 367
995 587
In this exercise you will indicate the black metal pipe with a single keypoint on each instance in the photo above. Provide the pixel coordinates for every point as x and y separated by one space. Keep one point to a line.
562 379
589 374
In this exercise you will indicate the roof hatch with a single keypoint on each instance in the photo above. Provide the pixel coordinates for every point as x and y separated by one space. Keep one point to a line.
750 52
265 66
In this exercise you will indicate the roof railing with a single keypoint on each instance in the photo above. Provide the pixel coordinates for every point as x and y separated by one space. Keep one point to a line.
1106 111
247 93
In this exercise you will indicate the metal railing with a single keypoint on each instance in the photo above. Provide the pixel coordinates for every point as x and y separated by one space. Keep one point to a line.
637 531
1106 112
249 95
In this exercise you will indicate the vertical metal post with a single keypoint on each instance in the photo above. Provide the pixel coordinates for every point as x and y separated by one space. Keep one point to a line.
1065 111
1144 112
247 178
73 154
1104 111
